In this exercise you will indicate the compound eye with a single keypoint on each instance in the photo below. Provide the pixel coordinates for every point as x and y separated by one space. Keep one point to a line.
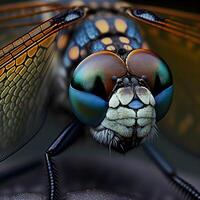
94 74
92 84
145 63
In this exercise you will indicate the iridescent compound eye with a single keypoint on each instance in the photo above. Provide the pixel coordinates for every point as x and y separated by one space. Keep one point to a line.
145 63
92 84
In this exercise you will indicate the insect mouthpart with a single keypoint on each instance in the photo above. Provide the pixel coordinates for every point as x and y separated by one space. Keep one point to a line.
130 118
114 140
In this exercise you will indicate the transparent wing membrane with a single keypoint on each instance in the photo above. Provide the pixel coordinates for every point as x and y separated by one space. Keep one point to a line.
175 14
26 14
25 78
18 18
178 44
180 27
25 5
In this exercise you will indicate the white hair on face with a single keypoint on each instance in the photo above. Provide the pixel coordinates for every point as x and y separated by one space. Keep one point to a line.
152 135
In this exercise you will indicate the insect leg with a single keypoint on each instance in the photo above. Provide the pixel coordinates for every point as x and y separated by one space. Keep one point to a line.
63 141
186 188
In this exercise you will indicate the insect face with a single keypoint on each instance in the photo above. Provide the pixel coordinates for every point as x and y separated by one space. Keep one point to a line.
130 116
119 99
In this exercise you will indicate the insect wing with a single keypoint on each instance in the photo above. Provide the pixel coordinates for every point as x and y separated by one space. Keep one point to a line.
17 19
25 78
182 53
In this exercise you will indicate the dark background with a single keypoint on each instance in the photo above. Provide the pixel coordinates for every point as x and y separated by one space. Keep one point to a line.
192 5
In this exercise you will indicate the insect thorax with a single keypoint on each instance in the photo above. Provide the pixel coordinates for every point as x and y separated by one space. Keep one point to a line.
103 30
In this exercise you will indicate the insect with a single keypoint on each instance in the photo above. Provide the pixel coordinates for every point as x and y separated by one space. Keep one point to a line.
117 86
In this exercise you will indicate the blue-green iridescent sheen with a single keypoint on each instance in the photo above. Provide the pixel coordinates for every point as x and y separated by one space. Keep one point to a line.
88 108
142 62
163 73
94 74
145 63
163 102
86 77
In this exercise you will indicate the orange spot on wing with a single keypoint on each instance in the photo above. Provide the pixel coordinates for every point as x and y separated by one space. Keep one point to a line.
28 43
48 41
2 71
32 51
4 60
37 37
21 59
11 64
18 50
